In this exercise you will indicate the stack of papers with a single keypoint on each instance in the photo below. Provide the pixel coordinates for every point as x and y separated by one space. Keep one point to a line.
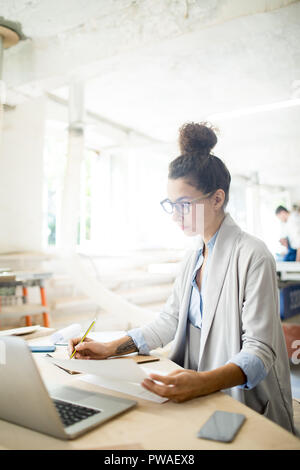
26 330
122 375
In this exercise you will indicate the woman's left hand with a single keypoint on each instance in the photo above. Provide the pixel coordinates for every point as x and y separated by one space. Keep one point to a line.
179 385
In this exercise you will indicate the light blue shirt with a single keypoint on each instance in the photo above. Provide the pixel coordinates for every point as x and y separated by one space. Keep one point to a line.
251 365
196 300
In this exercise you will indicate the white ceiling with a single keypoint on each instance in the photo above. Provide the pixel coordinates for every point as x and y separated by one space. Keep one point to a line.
221 59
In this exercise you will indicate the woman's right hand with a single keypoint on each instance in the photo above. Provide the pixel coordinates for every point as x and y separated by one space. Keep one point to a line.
88 349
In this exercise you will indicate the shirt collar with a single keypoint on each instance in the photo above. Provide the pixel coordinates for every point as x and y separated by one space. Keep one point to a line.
212 241
210 245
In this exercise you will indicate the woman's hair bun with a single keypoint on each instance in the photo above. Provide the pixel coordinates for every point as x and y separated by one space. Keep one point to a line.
196 138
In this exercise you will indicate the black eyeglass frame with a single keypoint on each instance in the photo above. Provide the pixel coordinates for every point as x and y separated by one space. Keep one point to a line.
183 208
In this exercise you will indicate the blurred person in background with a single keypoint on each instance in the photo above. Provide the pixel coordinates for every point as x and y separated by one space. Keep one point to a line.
291 228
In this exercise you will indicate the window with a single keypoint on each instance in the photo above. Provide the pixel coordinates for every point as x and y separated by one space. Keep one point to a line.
55 157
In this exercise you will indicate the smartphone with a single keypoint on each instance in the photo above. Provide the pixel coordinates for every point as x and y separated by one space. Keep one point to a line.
221 426
42 349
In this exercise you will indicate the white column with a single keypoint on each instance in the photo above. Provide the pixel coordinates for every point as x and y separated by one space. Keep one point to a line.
102 214
71 190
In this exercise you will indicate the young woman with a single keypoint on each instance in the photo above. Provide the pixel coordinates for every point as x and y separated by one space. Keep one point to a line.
222 315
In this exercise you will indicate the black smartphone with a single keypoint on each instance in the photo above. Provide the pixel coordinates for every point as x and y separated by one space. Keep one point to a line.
221 426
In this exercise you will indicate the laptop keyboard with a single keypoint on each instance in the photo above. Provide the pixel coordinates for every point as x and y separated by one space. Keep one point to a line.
71 414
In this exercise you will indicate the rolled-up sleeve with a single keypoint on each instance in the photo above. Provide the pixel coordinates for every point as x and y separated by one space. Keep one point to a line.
253 368
139 340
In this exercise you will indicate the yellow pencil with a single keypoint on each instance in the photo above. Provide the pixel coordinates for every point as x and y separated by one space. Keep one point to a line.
84 336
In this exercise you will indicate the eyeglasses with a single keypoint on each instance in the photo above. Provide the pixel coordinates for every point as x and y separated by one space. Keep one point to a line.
184 207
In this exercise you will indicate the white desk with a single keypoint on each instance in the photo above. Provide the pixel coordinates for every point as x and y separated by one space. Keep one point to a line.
288 271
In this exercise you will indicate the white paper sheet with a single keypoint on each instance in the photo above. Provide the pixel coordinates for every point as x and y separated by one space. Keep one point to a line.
149 370
26 330
111 369
122 375
133 389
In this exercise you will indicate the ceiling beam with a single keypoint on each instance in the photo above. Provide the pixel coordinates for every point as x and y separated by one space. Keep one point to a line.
49 60
109 127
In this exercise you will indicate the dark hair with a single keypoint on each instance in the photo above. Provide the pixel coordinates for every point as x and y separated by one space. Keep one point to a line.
196 164
280 209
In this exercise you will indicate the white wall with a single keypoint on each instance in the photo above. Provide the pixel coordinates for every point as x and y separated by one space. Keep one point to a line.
21 177
295 195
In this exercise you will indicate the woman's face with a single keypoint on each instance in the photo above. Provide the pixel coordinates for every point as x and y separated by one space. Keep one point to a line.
199 215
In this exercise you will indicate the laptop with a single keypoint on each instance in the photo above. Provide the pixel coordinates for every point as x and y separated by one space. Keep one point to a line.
65 412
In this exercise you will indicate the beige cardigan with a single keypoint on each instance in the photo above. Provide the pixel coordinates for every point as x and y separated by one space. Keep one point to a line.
241 312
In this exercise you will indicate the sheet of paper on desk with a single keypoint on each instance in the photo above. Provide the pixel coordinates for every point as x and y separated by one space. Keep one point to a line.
122 375
112 369
129 388
25 330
